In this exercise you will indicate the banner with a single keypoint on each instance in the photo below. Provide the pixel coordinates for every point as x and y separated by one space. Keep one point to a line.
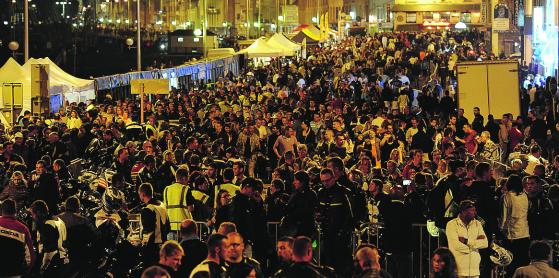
149 86
501 15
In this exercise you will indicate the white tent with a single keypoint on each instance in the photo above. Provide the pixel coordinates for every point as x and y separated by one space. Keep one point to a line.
260 48
220 52
12 72
279 41
61 83
73 89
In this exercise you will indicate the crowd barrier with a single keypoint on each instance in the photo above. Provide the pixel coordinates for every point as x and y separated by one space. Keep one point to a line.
202 71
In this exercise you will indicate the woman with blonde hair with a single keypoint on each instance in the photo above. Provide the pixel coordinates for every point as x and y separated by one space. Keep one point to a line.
74 121
16 190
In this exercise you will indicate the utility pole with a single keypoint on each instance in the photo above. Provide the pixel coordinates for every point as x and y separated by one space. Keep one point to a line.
26 31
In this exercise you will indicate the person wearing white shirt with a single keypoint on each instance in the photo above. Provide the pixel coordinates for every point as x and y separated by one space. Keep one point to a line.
514 222
466 237
534 159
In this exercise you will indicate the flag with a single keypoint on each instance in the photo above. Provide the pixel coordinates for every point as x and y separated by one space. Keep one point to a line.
102 182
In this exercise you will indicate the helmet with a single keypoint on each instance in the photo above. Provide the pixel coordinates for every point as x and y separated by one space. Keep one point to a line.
113 199
500 256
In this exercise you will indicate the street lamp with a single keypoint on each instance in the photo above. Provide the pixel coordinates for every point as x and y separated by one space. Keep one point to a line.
313 19
130 42
13 46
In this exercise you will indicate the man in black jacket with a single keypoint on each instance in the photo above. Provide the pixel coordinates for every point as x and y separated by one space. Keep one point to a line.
442 200
302 262
80 235
235 260
337 222
195 250
45 186
301 208
155 223
247 212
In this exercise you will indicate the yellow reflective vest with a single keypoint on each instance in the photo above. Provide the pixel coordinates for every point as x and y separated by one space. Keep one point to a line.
177 198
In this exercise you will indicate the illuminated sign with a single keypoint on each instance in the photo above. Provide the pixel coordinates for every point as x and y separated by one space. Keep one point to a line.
435 24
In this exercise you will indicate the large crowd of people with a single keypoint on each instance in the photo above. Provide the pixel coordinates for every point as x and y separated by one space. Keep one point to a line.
364 134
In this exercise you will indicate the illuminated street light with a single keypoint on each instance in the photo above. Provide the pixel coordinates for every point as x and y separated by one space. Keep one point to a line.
198 32
313 19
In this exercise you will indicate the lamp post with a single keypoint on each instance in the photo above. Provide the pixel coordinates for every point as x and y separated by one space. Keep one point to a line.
205 26
248 20
138 39
13 46
26 30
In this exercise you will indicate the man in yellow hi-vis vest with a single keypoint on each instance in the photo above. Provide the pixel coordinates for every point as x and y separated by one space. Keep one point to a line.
179 201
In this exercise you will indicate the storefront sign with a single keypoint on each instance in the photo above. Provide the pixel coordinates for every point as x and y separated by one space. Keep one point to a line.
501 15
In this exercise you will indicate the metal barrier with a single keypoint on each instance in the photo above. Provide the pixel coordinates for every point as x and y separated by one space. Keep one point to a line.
273 229
424 249
204 231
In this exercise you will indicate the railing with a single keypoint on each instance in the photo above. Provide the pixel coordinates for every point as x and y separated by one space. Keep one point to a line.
424 252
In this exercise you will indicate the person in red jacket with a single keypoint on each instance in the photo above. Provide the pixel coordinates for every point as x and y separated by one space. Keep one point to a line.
18 256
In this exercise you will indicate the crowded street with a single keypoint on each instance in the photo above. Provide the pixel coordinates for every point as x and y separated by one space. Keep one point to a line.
358 158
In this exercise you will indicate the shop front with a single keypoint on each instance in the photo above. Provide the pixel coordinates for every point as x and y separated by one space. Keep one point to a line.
412 15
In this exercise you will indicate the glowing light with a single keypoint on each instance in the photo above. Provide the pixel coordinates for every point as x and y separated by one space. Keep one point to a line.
280 18
372 18
256 24
101 19
314 20
127 21
6 23
352 14
173 22
118 21
224 24
460 25
162 47
197 32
